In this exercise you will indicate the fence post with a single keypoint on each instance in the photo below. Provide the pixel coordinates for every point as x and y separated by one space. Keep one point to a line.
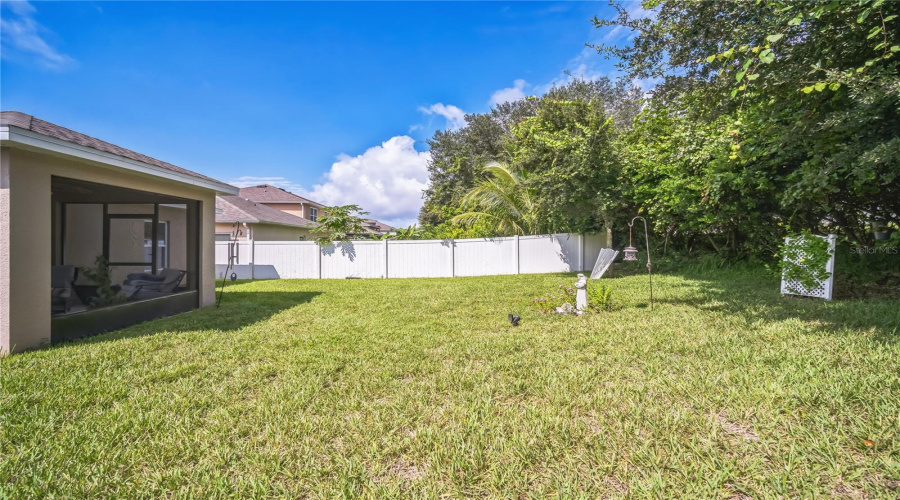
452 258
581 252
318 261
252 259
517 253
385 246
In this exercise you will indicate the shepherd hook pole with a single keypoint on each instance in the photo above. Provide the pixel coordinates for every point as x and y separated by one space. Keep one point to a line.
647 242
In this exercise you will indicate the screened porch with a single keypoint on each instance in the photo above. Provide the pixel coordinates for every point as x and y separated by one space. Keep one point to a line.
120 256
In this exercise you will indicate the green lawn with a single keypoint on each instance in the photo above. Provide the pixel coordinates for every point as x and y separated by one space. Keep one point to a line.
395 388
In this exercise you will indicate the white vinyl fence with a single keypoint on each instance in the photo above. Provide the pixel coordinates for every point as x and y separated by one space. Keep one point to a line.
549 253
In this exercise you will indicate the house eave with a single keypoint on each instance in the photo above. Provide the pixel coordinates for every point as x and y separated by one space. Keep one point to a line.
220 221
13 136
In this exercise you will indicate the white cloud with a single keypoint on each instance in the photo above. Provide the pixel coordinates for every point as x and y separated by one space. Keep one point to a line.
387 181
647 84
456 118
514 93
613 33
637 11
584 66
20 33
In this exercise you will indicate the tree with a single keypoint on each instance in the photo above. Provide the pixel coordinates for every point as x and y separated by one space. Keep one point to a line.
339 223
779 117
569 150
503 201
563 141
413 232
456 160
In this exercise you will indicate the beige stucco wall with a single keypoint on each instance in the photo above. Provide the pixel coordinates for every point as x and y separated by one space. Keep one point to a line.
271 232
25 240
266 232
228 227
291 208
5 268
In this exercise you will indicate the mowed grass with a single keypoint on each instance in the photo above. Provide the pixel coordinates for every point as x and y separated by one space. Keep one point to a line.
421 388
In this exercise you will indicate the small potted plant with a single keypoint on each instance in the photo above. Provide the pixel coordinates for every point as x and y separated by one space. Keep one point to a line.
107 294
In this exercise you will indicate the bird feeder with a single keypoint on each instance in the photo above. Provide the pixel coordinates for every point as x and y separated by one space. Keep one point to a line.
630 253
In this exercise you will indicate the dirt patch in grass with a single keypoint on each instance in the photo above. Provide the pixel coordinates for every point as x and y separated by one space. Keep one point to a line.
737 494
880 482
734 429
590 421
406 471
844 490
617 488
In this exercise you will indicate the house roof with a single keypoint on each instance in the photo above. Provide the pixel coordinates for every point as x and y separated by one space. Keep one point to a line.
372 224
372 227
238 209
267 193
45 128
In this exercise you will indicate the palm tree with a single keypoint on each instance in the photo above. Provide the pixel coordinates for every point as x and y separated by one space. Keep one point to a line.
502 200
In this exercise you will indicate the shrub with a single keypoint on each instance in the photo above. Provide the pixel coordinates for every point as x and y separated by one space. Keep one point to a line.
101 276
599 297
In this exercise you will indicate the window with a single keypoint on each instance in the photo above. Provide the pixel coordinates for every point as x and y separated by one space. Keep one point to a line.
303 238
223 237
313 214
162 256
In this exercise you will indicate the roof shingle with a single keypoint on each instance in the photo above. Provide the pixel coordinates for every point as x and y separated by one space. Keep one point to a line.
267 193
28 122
237 209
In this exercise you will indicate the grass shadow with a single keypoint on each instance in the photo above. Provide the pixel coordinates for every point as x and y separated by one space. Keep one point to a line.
238 310
755 297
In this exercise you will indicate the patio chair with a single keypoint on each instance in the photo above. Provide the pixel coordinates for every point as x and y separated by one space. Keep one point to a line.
140 286
62 289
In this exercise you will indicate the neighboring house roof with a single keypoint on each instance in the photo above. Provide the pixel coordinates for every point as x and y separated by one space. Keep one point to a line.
267 193
237 209
373 227
45 128
377 226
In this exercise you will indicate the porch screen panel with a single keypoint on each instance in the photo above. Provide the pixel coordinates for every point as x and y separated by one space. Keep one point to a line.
128 241
130 208
173 227
83 240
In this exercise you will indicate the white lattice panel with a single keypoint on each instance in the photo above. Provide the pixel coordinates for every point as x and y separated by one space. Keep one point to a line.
823 288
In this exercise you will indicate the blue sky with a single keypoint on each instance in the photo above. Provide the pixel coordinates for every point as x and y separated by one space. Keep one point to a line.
331 100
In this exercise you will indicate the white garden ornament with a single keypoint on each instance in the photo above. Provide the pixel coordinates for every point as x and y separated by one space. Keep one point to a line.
824 287
581 293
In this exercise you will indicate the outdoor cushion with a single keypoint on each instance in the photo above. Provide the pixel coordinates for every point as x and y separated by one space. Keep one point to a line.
144 277
162 284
